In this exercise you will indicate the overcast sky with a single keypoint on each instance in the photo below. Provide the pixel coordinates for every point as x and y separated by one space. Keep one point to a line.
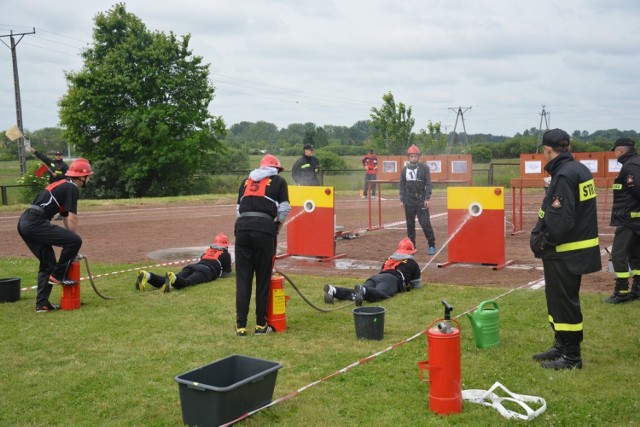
330 62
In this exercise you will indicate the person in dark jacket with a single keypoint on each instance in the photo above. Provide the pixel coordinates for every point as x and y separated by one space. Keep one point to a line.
214 263
415 193
566 239
57 168
263 205
306 170
399 273
625 216
41 235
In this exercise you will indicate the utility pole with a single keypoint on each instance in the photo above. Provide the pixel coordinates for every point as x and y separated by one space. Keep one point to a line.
543 116
460 114
16 84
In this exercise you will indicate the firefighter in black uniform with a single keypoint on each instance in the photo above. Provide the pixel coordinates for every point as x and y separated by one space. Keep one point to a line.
566 238
214 263
625 216
263 205
399 273
57 167
40 235
306 169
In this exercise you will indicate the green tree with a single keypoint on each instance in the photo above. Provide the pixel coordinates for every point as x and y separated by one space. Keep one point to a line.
140 104
48 140
330 162
391 126
434 141
480 153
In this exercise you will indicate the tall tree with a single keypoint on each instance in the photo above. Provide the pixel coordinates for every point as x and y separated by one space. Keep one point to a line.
139 107
391 126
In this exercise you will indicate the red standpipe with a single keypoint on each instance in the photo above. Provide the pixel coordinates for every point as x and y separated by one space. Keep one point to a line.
70 299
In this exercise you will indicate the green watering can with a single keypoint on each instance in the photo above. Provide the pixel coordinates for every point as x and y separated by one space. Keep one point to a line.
485 324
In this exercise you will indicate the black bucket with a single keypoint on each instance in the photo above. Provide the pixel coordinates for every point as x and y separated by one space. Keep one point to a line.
369 322
10 289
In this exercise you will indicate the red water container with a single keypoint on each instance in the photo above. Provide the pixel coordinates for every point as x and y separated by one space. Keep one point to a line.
277 307
445 384
70 299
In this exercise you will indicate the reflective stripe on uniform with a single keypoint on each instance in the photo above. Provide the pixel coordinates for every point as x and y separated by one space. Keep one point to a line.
623 275
587 190
574 246
617 186
565 327
634 214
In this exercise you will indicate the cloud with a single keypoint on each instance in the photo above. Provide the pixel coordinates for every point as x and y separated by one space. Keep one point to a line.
329 62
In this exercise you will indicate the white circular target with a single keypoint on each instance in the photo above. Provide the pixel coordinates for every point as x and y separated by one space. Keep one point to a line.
475 209
309 206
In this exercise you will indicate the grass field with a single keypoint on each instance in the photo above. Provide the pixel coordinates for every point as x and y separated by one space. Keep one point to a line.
114 362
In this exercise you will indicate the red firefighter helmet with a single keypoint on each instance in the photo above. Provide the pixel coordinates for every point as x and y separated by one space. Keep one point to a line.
413 149
406 247
80 167
221 240
269 160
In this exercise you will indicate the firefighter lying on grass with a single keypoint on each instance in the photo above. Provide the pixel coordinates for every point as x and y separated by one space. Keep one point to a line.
214 263
399 273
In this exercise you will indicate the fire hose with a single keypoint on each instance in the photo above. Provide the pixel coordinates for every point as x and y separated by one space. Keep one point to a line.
304 297
93 285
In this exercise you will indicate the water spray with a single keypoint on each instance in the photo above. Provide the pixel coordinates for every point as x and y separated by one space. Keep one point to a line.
478 209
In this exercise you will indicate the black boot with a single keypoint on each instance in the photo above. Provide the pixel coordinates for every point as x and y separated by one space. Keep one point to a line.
621 293
570 360
553 353
635 288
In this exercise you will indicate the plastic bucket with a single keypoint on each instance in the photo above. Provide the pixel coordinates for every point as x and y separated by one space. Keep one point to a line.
10 289
369 322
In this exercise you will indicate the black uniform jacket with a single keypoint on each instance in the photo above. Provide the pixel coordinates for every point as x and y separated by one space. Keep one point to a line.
626 193
567 227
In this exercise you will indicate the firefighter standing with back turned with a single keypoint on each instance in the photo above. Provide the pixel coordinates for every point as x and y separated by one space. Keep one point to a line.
625 216
263 205
566 238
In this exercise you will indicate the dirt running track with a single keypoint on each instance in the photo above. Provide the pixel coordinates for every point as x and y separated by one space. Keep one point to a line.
131 233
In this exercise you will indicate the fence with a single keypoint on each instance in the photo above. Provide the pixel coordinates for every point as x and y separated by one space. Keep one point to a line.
11 197
340 179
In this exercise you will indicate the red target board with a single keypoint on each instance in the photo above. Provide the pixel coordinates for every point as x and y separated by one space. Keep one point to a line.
311 222
476 226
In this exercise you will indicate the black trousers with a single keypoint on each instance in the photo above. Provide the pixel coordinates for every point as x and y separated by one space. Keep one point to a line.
625 255
40 236
379 287
562 290
188 276
255 253
423 218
